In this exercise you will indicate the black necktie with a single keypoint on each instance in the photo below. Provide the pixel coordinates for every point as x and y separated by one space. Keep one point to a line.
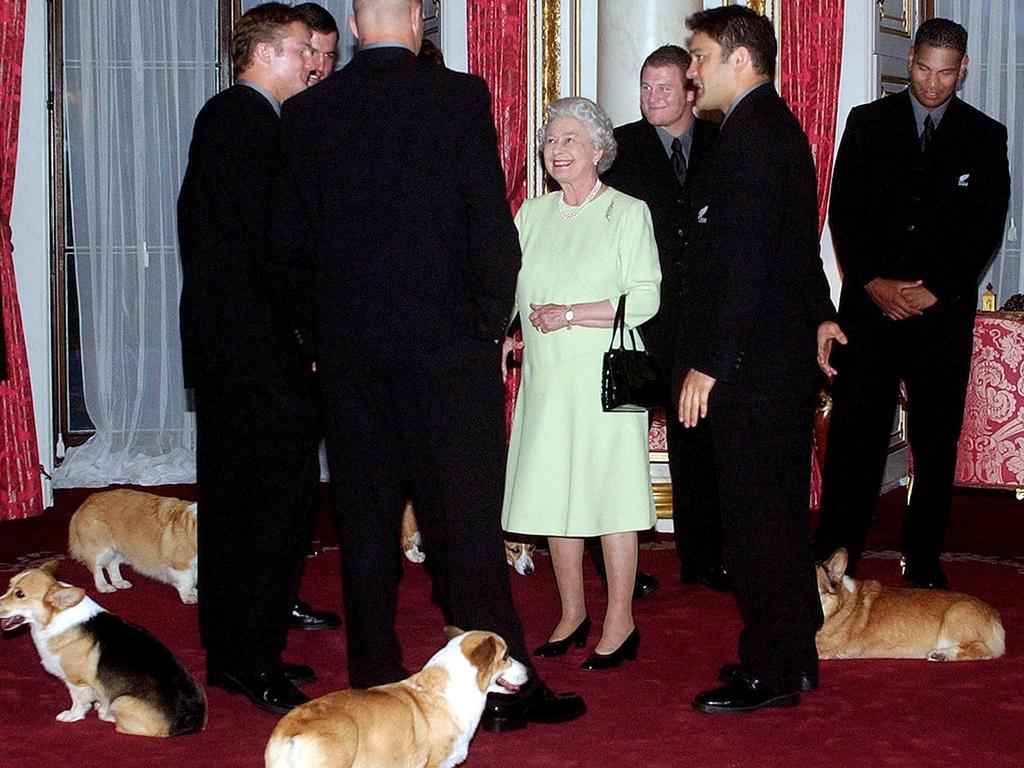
928 133
678 161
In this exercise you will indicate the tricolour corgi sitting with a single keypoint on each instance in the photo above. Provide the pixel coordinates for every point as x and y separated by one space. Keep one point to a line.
865 620
154 535
133 680
424 721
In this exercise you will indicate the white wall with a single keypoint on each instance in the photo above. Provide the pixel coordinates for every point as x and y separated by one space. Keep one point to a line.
30 225
856 86
453 35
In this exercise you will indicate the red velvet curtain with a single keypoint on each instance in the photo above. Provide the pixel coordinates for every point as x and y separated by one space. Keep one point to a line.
19 473
811 52
496 38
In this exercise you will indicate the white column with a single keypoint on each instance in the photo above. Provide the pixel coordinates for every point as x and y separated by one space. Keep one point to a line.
626 33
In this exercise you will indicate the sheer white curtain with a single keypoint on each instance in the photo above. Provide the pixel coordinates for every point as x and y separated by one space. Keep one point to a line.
136 74
995 85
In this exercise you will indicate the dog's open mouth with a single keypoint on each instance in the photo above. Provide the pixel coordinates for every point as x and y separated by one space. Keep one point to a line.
510 687
10 622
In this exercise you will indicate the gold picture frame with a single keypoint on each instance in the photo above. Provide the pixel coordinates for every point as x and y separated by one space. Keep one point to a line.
892 24
890 84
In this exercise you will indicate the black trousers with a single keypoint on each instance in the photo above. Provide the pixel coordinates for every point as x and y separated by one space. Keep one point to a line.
436 431
762 450
931 354
258 474
696 519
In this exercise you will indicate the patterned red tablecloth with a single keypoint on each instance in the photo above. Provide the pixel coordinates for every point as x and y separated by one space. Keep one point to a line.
991 449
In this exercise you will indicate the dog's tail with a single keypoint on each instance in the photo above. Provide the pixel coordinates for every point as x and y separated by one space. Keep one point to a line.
996 641
297 751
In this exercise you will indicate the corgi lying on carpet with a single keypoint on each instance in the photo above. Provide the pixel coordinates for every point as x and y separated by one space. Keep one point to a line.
518 554
130 676
424 721
865 620
154 535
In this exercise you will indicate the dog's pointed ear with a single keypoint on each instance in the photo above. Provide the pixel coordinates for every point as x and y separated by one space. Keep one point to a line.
50 566
836 565
450 632
61 597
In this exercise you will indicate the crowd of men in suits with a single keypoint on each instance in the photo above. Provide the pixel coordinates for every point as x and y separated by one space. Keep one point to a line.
321 231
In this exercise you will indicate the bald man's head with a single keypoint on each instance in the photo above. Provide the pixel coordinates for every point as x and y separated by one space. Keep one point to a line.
395 21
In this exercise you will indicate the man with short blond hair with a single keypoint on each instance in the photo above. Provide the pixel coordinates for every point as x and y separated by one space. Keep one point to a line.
658 159
256 435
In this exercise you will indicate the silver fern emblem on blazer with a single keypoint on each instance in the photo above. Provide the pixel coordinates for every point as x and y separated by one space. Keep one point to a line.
702 215
962 181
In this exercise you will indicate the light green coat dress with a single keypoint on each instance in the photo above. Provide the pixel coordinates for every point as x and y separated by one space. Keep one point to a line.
574 470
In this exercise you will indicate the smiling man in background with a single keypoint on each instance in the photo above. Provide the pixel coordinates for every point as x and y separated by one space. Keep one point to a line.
657 161
323 39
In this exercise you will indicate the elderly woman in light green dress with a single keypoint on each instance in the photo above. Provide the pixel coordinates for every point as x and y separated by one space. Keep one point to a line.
575 471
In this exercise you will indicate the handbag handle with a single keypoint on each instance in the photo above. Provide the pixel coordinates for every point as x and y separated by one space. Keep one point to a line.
619 326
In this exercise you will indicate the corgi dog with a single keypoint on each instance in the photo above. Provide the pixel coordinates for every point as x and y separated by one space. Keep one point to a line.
154 535
424 721
412 542
129 675
518 554
866 620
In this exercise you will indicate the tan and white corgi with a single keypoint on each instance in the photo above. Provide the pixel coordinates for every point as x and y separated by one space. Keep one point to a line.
518 554
866 620
154 535
129 675
424 721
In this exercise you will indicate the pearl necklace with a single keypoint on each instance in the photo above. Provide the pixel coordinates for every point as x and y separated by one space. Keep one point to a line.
568 212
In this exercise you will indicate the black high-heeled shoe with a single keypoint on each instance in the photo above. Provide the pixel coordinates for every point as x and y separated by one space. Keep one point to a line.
626 651
577 637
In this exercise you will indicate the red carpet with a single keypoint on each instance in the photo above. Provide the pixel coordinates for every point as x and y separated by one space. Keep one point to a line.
868 713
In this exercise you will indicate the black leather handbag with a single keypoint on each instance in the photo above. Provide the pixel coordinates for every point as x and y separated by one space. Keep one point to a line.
629 377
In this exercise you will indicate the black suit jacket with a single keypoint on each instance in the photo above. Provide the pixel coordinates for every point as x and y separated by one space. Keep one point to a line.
231 325
643 169
897 214
753 286
393 185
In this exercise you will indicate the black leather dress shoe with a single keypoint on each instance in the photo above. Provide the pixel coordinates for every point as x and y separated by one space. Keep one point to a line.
627 650
534 704
745 695
805 681
304 616
271 691
924 574
577 637
714 577
645 584
299 674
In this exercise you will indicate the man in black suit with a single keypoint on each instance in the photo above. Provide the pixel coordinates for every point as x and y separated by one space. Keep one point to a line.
416 257
256 452
919 201
754 295
658 158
